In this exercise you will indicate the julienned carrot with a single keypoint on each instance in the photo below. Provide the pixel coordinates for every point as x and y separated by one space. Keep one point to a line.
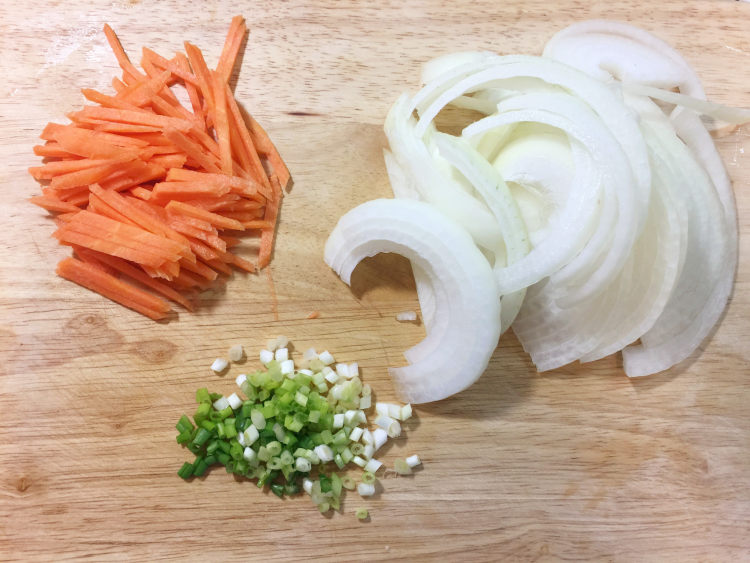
97 280
267 235
54 204
138 275
170 179
52 169
232 44
213 218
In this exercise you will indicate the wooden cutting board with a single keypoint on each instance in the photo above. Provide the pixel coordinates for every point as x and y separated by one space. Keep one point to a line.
578 463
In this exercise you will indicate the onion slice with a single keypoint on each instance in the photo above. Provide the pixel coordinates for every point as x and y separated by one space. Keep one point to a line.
465 326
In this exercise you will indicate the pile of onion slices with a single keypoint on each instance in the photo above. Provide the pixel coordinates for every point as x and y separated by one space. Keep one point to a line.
577 197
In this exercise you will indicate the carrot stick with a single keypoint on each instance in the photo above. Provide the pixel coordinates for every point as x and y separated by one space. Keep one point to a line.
122 58
246 146
231 48
199 267
187 190
198 213
139 117
90 144
109 286
52 169
191 149
202 74
221 123
144 91
267 235
172 66
124 267
107 101
191 85
52 150
84 177
54 204
264 145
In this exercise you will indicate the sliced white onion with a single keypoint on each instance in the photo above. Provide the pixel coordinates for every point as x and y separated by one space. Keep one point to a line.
607 218
464 285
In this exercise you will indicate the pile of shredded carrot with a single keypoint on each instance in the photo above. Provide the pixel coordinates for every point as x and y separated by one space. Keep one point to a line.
152 195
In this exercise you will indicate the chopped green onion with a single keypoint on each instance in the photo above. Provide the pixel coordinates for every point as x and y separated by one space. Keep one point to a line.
186 471
368 477
362 513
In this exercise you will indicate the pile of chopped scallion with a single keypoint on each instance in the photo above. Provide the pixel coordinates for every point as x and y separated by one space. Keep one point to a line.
295 425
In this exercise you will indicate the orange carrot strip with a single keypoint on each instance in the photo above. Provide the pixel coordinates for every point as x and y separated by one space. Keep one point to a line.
109 286
52 150
264 224
199 267
186 280
173 66
100 207
242 186
144 91
78 199
124 267
220 266
133 174
84 177
191 149
155 138
169 160
122 58
141 193
271 215
264 145
53 131
144 220
255 167
139 117
88 144
231 48
54 204
107 101
112 127
243 264
230 241
202 74
52 169
191 85
187 190
133 237
66 235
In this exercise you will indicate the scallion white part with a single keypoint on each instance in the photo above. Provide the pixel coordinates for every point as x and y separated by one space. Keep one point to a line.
287 367
306 371
380 437
365 402
219 365
234 401
366 489
236 353
241 439
373 465
266 357
249 454
307 485
390 425
257 418
304 465
324 453
351 417
406 412
353 369
367 437
413 460
251 435
281 355
221 403
394 411
309 354
326 358
369 451
241 378
359 461
356 433
279 432
342 370
338 420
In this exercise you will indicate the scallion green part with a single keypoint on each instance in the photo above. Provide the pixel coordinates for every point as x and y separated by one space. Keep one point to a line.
362 513
290 427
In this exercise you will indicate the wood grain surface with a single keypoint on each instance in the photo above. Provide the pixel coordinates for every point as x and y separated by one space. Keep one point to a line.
579 463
